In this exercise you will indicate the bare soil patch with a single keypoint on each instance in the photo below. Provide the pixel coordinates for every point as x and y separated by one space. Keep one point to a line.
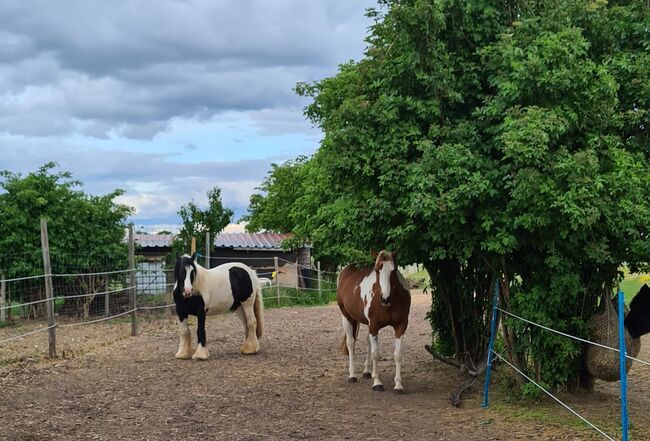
112 386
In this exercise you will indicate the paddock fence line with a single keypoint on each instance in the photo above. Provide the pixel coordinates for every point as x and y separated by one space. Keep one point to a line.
62 296
622 362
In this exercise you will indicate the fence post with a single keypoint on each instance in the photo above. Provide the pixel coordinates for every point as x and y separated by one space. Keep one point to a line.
277 280
3 297
193 246
107 300
134 323
319 280
622 365
207 250
49 291
493 326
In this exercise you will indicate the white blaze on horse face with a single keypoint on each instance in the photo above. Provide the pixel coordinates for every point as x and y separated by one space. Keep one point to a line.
384 278
187 288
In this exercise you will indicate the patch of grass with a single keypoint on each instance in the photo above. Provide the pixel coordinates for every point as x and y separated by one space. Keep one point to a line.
419 278
296 297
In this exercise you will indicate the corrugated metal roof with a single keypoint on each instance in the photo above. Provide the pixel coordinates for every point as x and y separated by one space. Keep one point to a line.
250 240
153 240
268 241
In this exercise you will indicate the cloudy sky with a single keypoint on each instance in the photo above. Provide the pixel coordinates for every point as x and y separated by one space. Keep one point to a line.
168 98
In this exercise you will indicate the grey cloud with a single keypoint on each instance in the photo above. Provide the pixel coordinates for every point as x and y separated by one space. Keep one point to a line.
93 67
154 183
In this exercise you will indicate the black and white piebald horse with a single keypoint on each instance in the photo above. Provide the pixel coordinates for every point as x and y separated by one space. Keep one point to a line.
201 292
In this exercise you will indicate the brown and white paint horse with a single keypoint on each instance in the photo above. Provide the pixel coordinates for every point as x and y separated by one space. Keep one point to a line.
377 297
200 292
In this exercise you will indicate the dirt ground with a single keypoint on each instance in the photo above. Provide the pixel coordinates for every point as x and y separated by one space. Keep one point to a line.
110 386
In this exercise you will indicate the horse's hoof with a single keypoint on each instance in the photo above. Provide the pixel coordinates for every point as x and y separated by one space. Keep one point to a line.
378 388
367 375
398 391
352 379
181 356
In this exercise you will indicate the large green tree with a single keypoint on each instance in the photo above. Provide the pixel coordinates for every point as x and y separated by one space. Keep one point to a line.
86 233
487 140
270 208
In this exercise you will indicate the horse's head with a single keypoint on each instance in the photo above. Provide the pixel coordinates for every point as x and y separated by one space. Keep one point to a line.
184 274
385 264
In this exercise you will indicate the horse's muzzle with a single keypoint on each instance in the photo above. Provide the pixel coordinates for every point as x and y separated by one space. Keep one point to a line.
385 301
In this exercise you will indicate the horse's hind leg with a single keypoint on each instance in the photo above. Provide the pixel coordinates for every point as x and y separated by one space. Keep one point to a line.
251 344
240 313
185 340
350 334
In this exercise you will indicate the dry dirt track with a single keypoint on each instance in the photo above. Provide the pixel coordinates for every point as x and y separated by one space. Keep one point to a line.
294 388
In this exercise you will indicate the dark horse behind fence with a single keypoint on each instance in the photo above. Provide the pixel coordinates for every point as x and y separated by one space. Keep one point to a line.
376 296
201 292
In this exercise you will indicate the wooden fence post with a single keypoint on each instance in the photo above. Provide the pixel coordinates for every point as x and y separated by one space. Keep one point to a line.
319 280
277 280
3 297
193 246
107 299
207 250
49 291
134 322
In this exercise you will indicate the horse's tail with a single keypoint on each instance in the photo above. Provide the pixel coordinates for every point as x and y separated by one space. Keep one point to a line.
258 310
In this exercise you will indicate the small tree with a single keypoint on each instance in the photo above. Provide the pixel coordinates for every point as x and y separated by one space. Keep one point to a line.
196 222
86 232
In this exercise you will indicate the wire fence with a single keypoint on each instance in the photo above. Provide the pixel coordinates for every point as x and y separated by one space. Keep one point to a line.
93 290
622 365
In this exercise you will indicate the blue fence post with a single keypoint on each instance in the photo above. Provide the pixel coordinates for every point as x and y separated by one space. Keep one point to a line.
623 370
493 326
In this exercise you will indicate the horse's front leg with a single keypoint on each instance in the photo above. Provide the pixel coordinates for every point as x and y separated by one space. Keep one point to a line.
201 351
185 340
398 365
374 349
366 365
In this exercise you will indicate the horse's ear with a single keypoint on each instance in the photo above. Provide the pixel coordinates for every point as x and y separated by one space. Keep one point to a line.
394 254
193 256
373 253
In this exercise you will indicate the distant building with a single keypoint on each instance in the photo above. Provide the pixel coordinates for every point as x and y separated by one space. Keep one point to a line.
257 250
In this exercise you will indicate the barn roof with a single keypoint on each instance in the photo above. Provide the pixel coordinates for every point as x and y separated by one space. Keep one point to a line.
267 241
250 240
153 240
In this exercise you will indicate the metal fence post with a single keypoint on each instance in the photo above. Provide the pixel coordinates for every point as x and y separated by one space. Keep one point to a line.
207 250
134 323
493 326
277 280
49 290
623 370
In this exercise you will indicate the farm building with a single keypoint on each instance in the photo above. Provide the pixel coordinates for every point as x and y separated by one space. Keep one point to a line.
258 250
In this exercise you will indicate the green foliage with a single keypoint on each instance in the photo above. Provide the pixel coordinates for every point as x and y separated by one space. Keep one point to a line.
270 209
489 139
196 222
84 231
